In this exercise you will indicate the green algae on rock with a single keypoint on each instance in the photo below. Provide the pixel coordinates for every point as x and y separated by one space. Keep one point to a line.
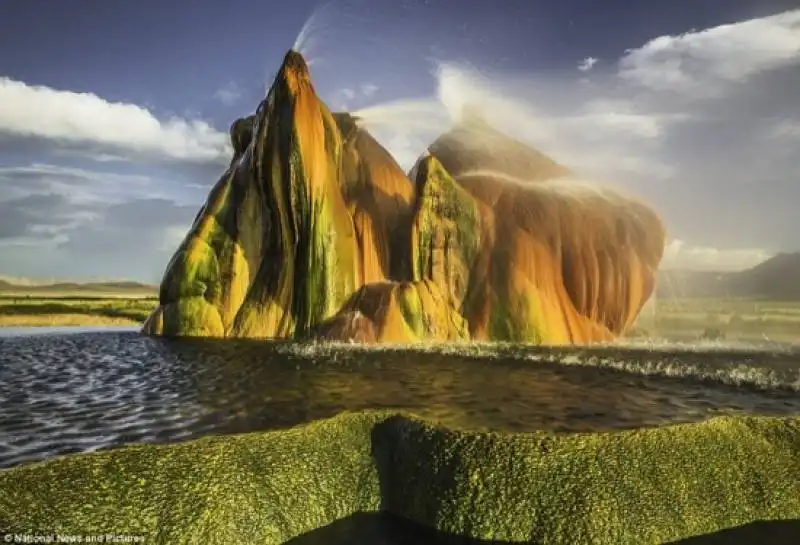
397 312
272 251
562 260
632 487
446 235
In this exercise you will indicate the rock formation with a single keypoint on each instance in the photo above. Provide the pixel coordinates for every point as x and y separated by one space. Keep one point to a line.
658 485
315 230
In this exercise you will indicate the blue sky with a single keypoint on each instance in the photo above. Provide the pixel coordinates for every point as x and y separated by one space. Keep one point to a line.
114 115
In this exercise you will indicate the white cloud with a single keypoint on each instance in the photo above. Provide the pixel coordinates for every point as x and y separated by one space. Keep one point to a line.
97 157
346 97
369 89
77 185
604 135
44 207
172 237
587 64
678 255
229 94
342 98
131 239
702 61
87 119
788 128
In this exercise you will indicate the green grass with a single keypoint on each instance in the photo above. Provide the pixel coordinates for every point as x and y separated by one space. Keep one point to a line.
734 318
71 310
631 487
746 306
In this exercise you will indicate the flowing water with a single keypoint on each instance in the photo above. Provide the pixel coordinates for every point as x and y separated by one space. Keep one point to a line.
86 391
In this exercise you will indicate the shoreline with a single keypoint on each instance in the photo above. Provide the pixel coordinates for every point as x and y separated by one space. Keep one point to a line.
64 320
75 310
391 462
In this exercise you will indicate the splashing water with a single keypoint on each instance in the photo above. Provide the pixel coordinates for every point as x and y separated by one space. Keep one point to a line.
305 41
307 37
405 127
569 187
462 91
415 122
435 113
412 115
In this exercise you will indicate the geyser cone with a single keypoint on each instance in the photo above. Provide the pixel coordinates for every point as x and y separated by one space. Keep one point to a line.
273 250
474 145
209 275
308 269
560 261
314 228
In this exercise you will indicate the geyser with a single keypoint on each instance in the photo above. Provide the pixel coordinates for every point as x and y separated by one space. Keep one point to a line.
316 231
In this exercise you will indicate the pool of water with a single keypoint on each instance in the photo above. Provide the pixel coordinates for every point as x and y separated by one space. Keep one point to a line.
84 391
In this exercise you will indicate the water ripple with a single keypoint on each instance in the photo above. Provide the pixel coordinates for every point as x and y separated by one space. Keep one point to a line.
76 393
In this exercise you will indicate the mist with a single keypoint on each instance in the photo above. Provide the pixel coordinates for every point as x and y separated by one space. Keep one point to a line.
695 159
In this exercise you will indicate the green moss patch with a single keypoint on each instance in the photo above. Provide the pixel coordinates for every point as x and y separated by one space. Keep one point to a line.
641 486
446 237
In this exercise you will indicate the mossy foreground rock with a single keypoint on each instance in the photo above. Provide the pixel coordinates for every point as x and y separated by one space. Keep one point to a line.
634 487
314 221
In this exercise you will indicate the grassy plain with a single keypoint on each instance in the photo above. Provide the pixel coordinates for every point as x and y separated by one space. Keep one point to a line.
679 319
75 309
733 319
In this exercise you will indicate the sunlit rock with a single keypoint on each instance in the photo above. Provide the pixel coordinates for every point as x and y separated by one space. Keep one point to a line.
400 312
315 230
561 260
657 485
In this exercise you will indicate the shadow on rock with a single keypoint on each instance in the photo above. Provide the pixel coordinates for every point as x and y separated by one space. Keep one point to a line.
380 529
385 529
763 532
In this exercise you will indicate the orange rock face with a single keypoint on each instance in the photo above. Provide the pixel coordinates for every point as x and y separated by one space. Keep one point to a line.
380 198
316 230
583 256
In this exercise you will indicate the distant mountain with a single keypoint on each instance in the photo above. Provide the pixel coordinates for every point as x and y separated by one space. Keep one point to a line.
777 278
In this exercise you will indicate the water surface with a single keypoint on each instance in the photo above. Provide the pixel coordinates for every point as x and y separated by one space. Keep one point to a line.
28 331
84 391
